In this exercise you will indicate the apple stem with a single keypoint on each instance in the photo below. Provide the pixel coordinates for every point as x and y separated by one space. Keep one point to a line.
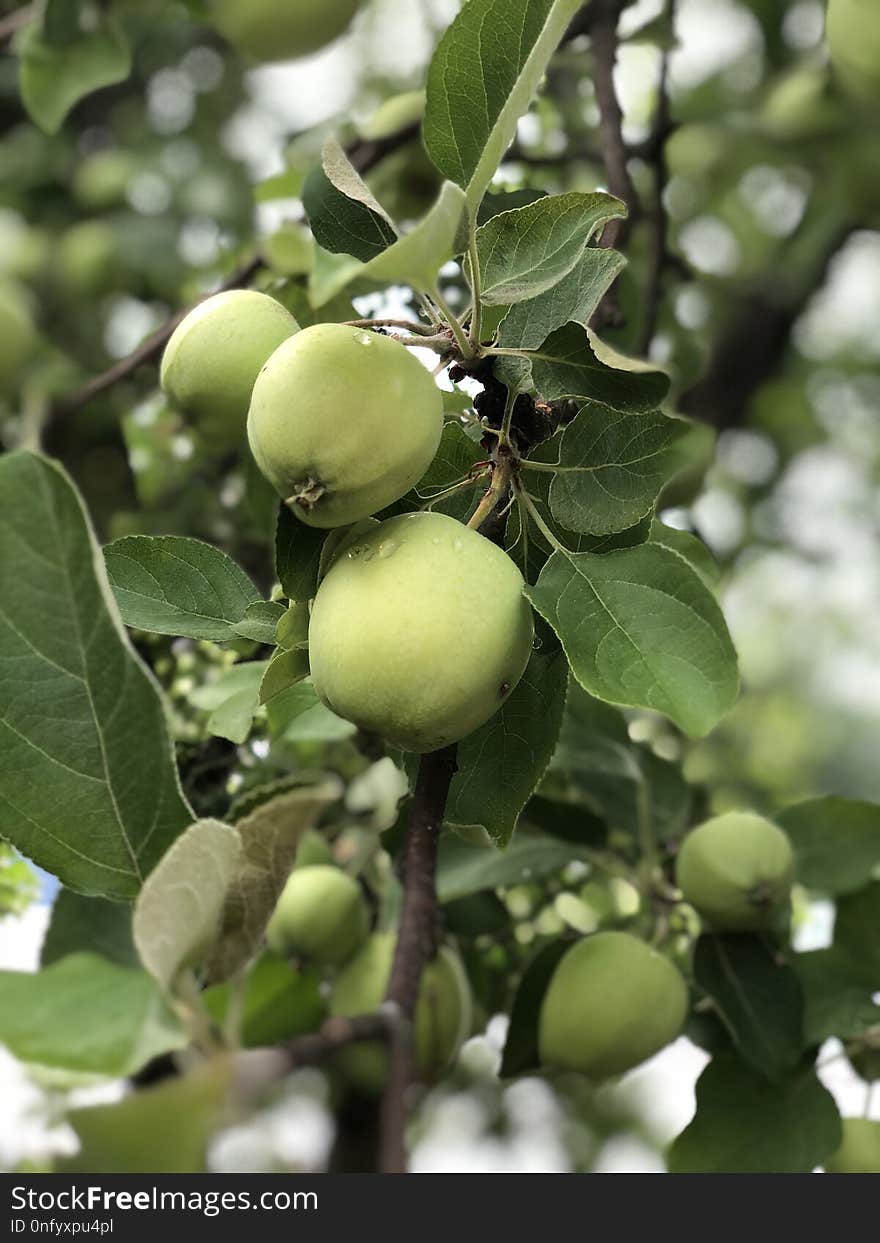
498 488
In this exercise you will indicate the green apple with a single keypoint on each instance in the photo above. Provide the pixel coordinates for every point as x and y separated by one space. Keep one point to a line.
852 29
215 355
343 422
87 258
859 1153
103 178
313 849
320 915
612 1003
268 30
17 332
737 870
419 631
443 1017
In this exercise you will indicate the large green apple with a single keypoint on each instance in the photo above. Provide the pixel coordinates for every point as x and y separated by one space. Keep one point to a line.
852 29
737 871
320 915
343 422
859 1153
267 30
215 355
419 631
17 332
443 1017
612 1003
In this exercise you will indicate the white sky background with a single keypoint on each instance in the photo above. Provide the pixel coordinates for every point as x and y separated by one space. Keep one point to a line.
845 581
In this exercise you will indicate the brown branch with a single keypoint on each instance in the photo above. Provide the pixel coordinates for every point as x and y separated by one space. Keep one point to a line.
417 942
14 21
659 255
335 1034
603 28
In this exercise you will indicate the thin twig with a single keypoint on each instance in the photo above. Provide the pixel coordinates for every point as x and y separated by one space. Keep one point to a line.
335 1034
416 944
603 28
14 21
658 258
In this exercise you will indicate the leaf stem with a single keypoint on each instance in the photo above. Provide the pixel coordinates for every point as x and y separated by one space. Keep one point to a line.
476 290
550 467
454 323
524 498
470 482
427 330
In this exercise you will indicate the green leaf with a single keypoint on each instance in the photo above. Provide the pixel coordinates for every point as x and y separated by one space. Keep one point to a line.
297 715
745 1125
260 621
178 912
270 836
88 785
86 1015
838 995
596 765
574 300
568 365
297 555
758 999
285 670
521 1046
415 259
525 252
611 469
689 546
280 1003
160 1130
640 628
481 80
170 584
495 202
856 927
343 215
232 699
464 869
501 764
836 842
54 78
89 925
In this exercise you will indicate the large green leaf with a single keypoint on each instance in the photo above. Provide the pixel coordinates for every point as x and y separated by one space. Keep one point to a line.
838 995
343 215
178 912
611 468
501 764
484 73
573 300
174 585
745 1125
569 365
269 837
857 926
836 842
758 998
641 628
280 1002
88 785
53 78
87 1015
524 253
89 925
297 555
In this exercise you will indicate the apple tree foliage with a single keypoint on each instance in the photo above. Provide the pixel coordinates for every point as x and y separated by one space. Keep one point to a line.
163 753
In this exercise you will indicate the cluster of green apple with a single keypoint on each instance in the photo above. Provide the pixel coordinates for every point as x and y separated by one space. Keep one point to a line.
852 29
322 917
613 1001
343 423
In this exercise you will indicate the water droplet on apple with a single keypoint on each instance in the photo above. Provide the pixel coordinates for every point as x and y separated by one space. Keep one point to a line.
364 338
457 545
388 547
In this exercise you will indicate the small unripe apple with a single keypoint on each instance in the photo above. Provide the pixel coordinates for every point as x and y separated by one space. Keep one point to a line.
87 258
343 422
736 870
215 355
443 1016
612 1003
268 30
419 631
320 915
852 29
859 1153
17 332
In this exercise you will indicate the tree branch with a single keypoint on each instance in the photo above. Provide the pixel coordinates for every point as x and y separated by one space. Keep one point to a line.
14 21
604 16
335 1034
659 255
417 942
